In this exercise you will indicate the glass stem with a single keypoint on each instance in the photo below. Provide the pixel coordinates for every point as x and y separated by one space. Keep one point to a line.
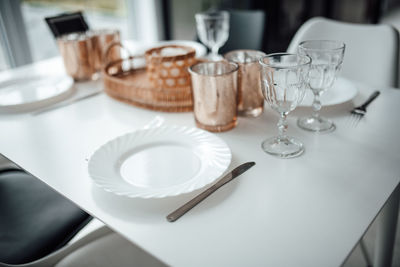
214 51
282 126
316 106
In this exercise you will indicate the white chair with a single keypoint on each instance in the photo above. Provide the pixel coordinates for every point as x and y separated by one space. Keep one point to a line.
371 54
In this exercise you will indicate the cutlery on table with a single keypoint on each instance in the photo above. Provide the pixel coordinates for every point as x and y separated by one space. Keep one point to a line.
65 103
358 113
196 200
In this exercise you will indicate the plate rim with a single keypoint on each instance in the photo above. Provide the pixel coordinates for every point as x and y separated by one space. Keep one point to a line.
353 95
169 191
201 50
39 103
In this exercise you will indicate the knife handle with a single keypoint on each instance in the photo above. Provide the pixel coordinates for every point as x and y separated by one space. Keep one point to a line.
193 202
226 179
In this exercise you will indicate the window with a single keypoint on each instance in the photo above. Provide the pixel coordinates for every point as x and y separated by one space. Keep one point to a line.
98 14
25 36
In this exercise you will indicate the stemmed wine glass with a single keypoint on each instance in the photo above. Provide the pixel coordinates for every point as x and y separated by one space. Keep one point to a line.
283 78
213 31
327 58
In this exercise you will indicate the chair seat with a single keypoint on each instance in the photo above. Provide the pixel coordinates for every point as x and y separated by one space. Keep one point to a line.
35 220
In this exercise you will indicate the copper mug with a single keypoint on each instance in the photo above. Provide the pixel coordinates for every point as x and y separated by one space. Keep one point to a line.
101 40
83 52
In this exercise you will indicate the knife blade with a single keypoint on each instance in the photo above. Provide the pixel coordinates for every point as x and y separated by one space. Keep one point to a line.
65 103
196 200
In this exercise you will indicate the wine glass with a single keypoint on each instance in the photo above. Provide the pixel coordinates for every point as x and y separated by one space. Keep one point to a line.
284 80
327 58
213 31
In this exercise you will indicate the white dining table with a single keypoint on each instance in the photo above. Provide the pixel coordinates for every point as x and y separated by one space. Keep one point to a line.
307 211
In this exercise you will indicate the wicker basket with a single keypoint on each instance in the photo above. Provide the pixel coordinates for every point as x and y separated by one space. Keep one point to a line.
170 71
128 80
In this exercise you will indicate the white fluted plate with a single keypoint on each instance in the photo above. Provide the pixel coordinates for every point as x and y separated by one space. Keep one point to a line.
159 162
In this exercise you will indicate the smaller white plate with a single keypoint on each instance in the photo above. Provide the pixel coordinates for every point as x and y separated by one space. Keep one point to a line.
342 91
31 92
201 50
136 48
159 162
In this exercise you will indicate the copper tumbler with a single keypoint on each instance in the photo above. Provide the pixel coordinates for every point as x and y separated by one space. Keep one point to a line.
251 100
77 52
214 87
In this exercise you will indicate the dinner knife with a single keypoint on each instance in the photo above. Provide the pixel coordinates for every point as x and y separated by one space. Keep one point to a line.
65 103
227 178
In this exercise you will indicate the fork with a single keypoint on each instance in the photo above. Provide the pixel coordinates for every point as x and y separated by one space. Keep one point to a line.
358 112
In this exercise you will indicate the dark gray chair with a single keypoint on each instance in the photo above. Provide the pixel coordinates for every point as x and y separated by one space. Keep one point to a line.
35 221
246 30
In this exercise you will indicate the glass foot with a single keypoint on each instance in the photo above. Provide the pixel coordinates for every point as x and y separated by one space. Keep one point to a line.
316 124
287 147
251 112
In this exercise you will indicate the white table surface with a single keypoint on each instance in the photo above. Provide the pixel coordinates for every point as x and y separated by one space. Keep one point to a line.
307 211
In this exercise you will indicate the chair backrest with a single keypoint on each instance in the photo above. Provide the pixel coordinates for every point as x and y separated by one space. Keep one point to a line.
371 54
246 30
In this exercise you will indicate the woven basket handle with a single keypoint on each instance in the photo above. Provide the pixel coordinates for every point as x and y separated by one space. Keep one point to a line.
106 55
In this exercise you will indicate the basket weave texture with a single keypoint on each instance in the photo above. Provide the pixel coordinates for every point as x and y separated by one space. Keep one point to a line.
169 71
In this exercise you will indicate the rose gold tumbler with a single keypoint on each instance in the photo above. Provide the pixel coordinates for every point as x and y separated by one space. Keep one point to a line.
251 100
77 52
214 86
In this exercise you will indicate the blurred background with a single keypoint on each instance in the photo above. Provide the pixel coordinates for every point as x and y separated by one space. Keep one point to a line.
26 38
